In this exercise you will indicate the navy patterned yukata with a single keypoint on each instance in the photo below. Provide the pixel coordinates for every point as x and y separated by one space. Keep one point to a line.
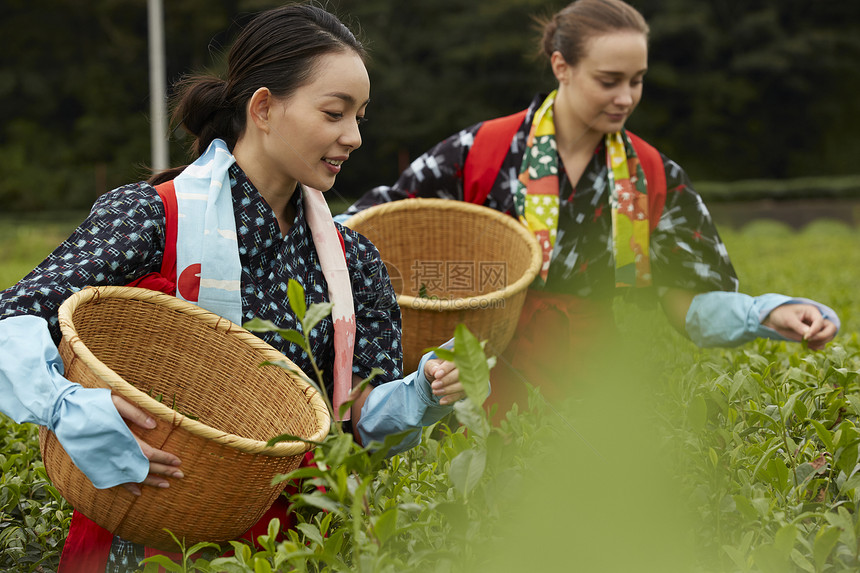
123 239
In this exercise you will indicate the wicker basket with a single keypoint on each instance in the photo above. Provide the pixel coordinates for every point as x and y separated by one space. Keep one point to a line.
475 261
138 342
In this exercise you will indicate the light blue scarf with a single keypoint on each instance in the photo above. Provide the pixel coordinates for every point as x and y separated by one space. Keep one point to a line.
205 206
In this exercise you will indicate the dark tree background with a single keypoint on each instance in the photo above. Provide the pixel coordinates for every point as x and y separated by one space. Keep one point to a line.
737 89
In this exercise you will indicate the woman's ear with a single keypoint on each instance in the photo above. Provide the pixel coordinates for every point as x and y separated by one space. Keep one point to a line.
560 67
259 107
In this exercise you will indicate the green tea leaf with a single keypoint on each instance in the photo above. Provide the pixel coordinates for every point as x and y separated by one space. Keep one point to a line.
198 547
258 325
785 538
385 525
290 438
318 501
697 413
312 533
316 313
164 561
467 469
442 353
472 363
338 448
823 434
471 416
845 458
296 295
825 541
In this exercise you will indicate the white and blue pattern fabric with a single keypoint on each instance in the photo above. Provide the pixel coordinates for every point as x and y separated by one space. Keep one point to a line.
205 206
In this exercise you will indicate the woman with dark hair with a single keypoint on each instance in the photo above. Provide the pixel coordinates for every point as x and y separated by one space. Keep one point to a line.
227 233
612 214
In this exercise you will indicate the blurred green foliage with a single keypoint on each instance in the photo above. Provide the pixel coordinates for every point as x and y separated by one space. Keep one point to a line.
736 89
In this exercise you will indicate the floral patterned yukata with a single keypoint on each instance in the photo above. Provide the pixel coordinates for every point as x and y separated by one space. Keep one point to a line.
686 251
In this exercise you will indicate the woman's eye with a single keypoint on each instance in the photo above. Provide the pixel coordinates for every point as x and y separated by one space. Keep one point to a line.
334 114
608 84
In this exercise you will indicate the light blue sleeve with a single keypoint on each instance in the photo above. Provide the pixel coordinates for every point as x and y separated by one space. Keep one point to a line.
730 318
401 405
342 218
85 421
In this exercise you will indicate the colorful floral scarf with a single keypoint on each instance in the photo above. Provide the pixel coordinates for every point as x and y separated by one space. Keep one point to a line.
537 198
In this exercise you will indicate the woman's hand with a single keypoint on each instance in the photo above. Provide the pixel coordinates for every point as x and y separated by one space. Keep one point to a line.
801 322
444 379
161 463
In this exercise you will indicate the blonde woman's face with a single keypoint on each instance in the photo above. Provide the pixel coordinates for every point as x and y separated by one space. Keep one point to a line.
601 91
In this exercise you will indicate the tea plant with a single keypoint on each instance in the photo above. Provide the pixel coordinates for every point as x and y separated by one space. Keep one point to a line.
34 517
360 511
673 459
770 449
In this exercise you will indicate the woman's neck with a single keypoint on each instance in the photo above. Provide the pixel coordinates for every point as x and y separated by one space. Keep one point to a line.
573 138
277 192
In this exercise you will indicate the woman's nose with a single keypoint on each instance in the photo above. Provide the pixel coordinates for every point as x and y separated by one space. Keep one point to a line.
625 97
352 137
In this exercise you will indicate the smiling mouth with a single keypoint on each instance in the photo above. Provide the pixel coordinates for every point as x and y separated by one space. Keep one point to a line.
336 163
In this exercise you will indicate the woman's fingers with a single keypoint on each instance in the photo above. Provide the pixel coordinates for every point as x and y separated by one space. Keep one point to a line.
802 322
451 398
132 413
161 464
444 380
132 488
820 339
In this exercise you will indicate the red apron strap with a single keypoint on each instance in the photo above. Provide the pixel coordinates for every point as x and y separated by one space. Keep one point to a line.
167 192
165 280
488 152
655 175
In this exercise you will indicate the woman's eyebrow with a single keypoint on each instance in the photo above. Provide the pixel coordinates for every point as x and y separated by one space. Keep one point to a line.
620 74
346 98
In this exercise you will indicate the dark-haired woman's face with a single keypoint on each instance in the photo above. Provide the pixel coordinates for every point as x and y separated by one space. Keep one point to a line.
319 122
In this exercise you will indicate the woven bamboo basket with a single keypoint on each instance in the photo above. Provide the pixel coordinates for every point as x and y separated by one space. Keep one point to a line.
452 262
142 344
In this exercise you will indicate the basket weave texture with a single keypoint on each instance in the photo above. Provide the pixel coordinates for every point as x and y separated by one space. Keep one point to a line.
141 345
475 261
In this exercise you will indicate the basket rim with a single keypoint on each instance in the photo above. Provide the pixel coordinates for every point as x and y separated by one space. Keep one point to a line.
464 303
117 384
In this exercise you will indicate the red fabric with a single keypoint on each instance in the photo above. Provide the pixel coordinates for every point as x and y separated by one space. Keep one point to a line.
558 339
165 280
86 548
487 154
493 141
655 176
